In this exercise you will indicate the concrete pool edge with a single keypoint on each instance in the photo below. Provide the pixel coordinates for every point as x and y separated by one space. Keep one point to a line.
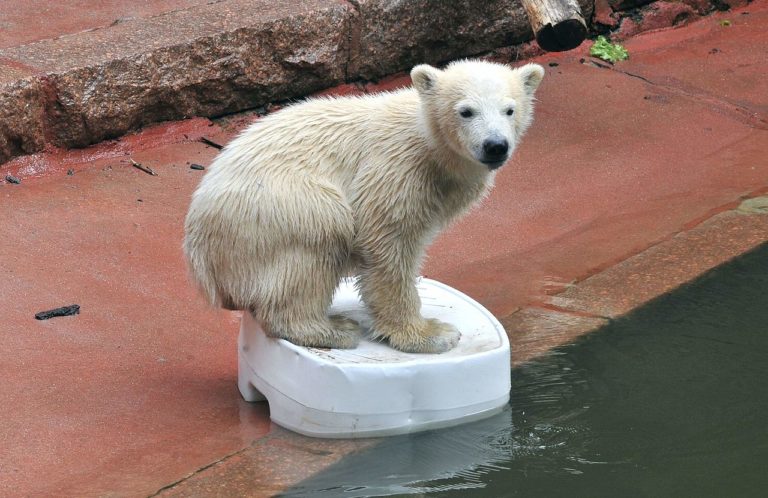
591 303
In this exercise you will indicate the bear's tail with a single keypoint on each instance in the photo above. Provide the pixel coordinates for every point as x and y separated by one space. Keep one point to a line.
198 271
202 272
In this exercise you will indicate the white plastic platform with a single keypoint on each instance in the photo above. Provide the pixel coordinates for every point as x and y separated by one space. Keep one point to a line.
374 390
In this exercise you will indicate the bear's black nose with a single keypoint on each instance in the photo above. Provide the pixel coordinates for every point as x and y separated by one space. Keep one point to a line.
495 150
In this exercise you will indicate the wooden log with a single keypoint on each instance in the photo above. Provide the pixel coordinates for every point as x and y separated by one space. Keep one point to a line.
558 24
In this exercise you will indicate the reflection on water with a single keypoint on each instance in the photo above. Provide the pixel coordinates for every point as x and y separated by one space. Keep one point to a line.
669 401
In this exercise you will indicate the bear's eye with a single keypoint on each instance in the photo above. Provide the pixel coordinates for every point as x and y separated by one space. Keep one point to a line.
510 111
466 113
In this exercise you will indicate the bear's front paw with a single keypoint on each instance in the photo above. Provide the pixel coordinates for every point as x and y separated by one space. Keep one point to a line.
429 336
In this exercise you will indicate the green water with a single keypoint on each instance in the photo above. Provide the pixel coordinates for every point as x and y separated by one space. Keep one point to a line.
670 401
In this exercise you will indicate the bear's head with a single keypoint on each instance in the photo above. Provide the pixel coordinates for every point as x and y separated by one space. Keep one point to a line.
478 109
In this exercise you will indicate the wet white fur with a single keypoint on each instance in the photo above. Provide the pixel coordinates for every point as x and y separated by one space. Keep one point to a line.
351 185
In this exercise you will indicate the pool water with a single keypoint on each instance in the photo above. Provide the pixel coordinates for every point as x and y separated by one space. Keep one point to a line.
669 401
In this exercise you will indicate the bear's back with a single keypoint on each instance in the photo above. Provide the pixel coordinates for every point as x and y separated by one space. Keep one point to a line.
329 137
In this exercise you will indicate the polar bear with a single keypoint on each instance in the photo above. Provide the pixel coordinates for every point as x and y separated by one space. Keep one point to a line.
360 185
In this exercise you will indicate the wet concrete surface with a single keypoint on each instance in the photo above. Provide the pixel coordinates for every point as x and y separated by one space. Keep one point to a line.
137 393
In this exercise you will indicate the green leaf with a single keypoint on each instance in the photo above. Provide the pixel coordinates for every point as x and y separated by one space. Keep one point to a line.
608 51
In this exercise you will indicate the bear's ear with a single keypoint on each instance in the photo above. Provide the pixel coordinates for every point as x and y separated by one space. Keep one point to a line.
424 78
531 75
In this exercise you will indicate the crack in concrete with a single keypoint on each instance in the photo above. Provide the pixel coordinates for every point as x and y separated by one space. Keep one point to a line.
744 114
197 471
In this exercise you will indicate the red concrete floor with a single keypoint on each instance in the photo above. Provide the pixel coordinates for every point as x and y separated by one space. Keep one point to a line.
137 392
27 21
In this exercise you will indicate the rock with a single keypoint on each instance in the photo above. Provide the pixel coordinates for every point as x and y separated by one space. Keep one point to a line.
230 56
396 35
21 130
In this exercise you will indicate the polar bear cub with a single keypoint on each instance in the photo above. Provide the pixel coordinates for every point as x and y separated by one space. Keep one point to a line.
358 185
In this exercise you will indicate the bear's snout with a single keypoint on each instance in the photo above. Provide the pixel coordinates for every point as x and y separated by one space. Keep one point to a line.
495 152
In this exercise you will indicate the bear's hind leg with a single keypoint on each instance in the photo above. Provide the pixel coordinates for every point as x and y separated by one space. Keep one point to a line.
314 332
297 302
299 271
